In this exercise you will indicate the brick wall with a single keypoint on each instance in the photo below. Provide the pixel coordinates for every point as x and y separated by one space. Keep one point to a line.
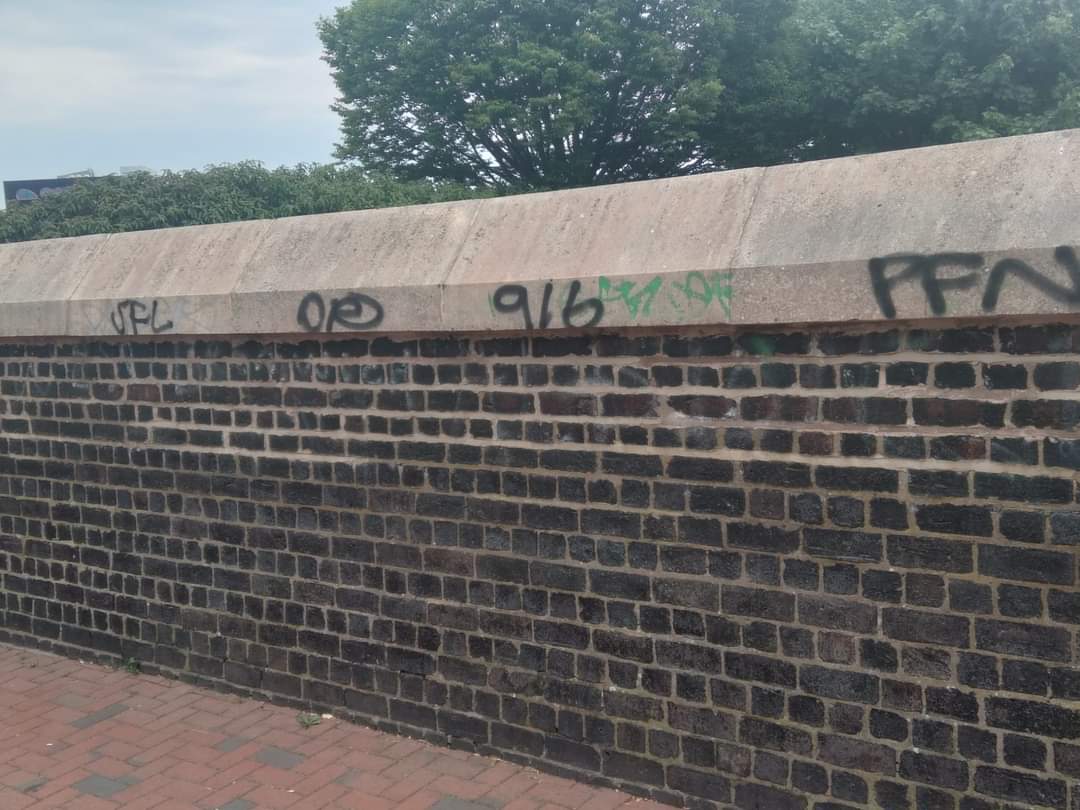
798 570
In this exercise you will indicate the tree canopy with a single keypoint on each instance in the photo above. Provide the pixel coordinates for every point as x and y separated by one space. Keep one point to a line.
219 194
547 93
557 93
893 74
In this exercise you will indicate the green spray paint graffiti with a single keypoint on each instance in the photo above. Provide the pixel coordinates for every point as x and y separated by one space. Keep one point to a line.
695 294
636 301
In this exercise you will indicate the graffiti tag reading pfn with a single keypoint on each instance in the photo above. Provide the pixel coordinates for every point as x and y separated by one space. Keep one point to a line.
353 312
130 314
515 298
923 269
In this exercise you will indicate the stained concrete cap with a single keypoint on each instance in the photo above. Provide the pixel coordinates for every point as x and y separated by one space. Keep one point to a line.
788 244
661 226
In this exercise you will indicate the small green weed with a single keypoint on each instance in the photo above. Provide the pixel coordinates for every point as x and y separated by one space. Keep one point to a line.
308 719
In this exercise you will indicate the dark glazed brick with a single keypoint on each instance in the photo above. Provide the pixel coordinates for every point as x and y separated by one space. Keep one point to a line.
952 341
957 448
710 407
619 346
1040 489
1025 752
861 375
697 783
1029 565
1057 376
870 343
1053 414
913 447
1013 638
957 413
1065 528
926 628
1062 453
717 346
907 374
970 597
768 345
858 445
839 684
930 553
749 796
938 484
1004 377
1038 340
778 408
1024 527
776 473
739 377
1044 719
1014 451
839 545
970 521
1020 787
811 376
944 772
857 479
561 346
869 411
954 375
859 755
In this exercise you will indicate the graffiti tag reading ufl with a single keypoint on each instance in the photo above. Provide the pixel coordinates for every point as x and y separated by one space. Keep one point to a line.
130 314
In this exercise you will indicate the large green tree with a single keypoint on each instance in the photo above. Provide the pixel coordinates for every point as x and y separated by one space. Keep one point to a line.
553 93
892 74
219 194
556 93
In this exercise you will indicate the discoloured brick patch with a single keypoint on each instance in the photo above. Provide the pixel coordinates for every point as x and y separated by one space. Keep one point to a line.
96 717
453 803
279 758
101 786
146 743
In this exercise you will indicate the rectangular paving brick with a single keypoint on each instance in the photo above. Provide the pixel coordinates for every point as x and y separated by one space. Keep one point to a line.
143 765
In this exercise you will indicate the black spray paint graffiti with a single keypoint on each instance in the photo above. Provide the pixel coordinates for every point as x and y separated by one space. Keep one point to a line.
130 314
515 298
353 312
923 269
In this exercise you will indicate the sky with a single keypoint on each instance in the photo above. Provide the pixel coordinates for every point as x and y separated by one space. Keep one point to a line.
161 84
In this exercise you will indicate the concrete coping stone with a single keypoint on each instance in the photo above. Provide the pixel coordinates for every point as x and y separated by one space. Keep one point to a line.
959 231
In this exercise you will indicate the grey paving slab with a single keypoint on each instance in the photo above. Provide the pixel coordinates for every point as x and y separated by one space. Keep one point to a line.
454 803
279 758
101 786
231 744
31 785
100 715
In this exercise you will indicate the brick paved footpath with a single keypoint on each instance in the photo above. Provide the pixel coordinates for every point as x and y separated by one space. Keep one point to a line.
82 736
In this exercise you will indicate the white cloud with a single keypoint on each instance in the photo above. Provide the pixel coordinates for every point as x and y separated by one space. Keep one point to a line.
99 59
